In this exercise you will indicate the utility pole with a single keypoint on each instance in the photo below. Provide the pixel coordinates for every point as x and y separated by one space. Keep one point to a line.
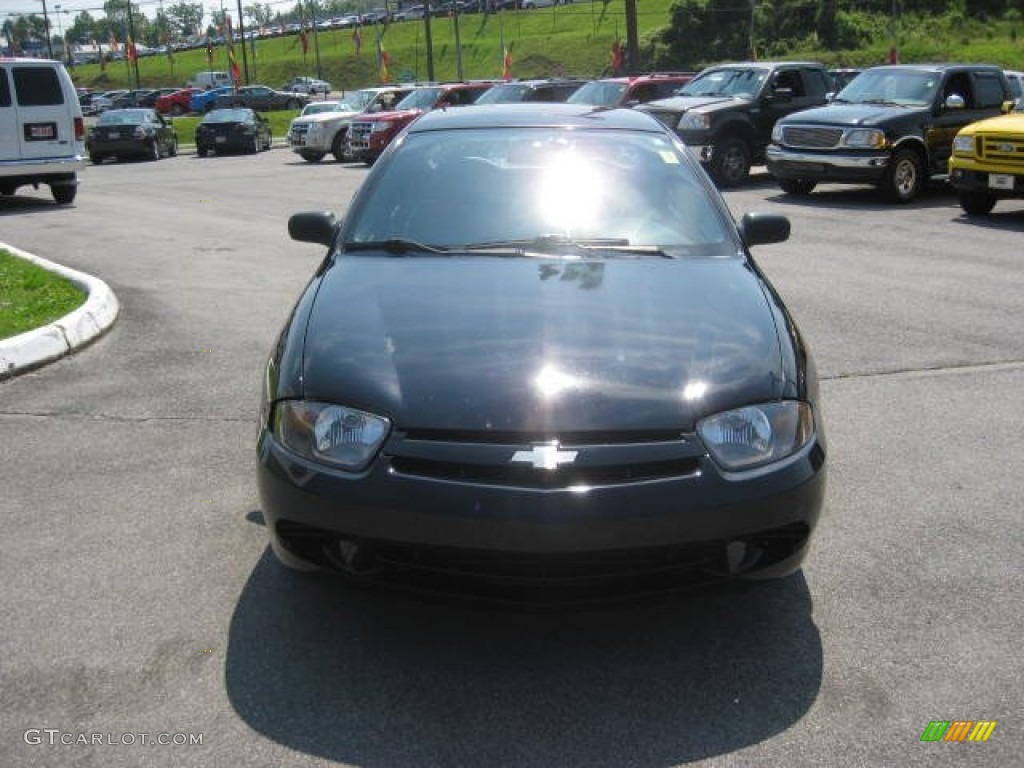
458 44
134 58
46 24
316 40
430 45
241 31
632 39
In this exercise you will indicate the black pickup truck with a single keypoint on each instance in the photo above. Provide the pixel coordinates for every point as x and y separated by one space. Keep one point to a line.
726 113
892 126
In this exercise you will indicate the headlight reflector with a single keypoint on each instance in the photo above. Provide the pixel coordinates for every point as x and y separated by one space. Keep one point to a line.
332 434
757 434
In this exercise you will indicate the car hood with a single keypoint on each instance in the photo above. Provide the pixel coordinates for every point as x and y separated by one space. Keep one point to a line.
686 103
850 114
1012 123
324 117
402 114
529 345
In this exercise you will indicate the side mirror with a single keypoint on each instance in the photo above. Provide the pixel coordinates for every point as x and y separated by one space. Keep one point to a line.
955 101
763 228
313 227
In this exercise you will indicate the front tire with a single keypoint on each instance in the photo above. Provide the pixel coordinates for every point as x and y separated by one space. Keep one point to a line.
977 203
254 146
96 158
201 151
312 157
797 186
730 162
338 145
173 151
154 152
905 177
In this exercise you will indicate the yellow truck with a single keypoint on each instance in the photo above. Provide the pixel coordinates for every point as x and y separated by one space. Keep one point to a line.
987 163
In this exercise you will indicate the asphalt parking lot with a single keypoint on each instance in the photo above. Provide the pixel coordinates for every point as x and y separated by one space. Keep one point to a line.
139 596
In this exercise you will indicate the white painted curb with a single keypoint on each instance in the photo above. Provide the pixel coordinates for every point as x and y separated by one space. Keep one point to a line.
51 342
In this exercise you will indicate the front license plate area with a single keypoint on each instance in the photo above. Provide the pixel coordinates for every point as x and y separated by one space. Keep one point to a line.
1000 181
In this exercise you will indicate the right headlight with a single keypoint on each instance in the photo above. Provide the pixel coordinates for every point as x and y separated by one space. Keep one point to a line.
331 434
694 121
963 144
755 435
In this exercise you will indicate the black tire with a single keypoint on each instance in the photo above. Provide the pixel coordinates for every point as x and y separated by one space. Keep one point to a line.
904 179
96 158
201 151
7 190
173 151
797 186
338 145
977 202
730 162
64 194
154 152
311 157
207 107
254 146
269 142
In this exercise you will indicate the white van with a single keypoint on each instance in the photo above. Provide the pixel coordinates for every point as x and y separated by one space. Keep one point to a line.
42 133
209 79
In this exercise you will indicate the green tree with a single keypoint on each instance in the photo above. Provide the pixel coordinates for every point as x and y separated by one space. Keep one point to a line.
187 17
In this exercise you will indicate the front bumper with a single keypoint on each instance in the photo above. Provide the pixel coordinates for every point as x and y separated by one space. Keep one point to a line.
400 517
969 180
826 166
42 168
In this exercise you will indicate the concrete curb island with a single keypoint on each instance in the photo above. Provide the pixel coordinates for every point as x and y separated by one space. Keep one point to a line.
61 337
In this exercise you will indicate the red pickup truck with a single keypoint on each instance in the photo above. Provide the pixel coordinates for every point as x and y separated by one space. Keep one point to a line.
370 135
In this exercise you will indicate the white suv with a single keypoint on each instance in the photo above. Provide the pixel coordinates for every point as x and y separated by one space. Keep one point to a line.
313 136
309 85
42 132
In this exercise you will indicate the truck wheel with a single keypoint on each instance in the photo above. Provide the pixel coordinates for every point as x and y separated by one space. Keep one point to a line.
977 203
312 157
338 145
173 151
905 177
154 152
64 194
797 186
730 162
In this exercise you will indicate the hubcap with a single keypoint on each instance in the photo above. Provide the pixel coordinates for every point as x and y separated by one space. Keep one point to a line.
906 178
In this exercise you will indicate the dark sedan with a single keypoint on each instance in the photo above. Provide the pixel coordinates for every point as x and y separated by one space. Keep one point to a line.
232 130
131 133
261 98
540 359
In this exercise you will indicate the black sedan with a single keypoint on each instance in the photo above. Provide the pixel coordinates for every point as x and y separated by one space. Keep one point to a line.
262 98
131 133
539 358
232 130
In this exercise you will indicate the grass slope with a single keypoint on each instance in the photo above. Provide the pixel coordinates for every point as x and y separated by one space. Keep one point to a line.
30 296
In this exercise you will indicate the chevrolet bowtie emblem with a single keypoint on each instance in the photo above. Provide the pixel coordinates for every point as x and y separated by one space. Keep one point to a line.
545 456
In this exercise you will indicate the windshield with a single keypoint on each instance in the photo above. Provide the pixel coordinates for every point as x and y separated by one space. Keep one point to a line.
227 116
360 99
494 188
745 83
902 87
122 117
421 98
598 93
503 94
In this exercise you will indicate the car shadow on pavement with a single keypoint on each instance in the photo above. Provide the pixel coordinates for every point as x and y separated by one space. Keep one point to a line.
373 678
1006 220
30 201
865 198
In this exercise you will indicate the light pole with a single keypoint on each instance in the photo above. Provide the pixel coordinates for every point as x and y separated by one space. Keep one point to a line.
60 33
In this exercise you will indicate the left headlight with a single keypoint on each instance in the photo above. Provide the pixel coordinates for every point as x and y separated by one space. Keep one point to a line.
964 144
865 138
757 434
694 121
332 434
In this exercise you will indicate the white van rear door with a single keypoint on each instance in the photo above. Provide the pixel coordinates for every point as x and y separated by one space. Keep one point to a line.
45 124
10 145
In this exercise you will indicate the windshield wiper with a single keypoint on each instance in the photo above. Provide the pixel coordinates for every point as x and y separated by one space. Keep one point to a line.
396 246
555 244
883 102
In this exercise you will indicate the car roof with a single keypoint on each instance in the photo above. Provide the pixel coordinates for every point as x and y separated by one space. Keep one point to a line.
536 115
941 67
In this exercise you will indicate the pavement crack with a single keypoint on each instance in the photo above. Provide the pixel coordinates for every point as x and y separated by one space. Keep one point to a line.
998 365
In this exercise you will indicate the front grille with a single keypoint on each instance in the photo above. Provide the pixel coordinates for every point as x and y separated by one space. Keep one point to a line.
514 460
300 129
1004 150
361 131
808 137
546 577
